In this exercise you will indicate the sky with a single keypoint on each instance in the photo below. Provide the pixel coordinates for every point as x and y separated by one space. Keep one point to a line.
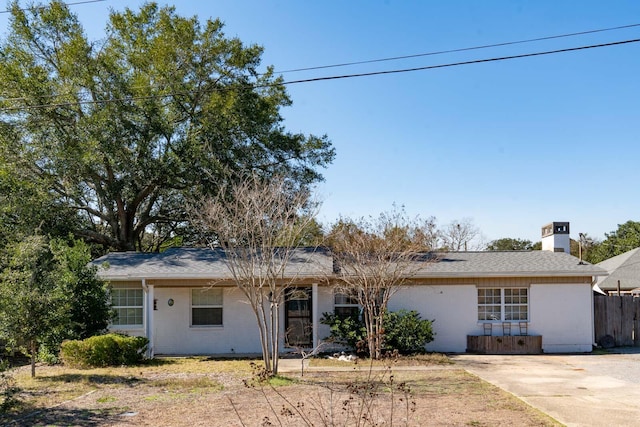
507 145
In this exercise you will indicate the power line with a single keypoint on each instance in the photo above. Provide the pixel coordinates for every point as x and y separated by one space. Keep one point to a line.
464 49
345 76
44 7
406 56
455 64
396 57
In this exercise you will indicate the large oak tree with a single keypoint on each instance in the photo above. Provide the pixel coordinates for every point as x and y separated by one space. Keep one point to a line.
120 133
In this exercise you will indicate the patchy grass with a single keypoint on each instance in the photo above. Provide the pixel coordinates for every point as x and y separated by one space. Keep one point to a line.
428 359
185 391
280 381
56 384
194 384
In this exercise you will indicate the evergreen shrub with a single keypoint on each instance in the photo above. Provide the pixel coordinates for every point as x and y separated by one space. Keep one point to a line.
104 350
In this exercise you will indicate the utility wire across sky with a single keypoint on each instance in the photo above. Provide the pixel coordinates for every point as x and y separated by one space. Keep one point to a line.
345 76
455 64
464 49
417 55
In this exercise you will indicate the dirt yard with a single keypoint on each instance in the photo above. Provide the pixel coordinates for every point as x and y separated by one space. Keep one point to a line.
201 392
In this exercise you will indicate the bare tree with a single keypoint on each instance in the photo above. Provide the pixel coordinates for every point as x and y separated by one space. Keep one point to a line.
461 235
373 258
259 223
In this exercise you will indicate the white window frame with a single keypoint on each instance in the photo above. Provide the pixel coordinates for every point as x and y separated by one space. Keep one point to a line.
349 302
128 307
214 305
519 300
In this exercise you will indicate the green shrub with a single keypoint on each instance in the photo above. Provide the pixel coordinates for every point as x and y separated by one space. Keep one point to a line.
131 349
104 350
47 356
404 331
75 353
346 330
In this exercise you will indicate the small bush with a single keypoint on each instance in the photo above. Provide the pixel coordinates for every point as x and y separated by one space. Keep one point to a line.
104 350
404 331
47 356
347 330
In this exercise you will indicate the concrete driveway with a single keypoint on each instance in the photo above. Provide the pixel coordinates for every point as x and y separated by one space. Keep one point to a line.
577 390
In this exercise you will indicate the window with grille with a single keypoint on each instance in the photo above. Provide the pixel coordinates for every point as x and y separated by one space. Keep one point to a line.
127 304
503 304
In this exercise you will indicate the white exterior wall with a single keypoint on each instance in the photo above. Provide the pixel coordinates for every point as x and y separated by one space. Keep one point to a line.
174 335
239 334
453 307
325 305
562 314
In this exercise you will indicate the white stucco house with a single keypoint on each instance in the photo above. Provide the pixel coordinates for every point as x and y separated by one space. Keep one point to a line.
185 302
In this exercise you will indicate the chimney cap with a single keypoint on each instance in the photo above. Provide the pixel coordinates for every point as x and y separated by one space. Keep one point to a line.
556 227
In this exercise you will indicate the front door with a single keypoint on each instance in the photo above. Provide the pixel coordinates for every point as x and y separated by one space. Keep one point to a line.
297 318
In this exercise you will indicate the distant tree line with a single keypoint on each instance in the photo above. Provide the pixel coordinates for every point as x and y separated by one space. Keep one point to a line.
619 241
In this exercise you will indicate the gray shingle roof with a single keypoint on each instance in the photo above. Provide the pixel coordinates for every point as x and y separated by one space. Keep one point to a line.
508 264
193 263
625 268
189 263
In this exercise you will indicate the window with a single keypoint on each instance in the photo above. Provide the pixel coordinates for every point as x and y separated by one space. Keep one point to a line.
489 304
345 305
128 306
503 304
206 307
516 304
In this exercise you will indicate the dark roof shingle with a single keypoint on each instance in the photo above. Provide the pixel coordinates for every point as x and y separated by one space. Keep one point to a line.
317 262
625 268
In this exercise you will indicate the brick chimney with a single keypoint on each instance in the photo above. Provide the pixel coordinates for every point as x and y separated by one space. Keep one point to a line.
555 237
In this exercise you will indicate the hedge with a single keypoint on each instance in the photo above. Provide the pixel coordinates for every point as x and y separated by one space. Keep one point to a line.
104 350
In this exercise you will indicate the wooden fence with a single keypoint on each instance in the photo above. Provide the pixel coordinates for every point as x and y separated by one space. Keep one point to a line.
617 320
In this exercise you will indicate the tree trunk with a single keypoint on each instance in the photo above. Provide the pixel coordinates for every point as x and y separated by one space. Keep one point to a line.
275 353
264 334
33 349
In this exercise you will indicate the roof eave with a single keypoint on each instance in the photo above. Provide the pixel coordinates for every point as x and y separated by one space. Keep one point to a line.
510 274
125 277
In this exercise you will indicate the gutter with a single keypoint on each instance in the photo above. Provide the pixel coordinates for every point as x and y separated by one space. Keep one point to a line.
439 275
570 273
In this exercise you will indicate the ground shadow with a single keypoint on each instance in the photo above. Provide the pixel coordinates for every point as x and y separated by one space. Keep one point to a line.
62 416
91 379
623 350
158 361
